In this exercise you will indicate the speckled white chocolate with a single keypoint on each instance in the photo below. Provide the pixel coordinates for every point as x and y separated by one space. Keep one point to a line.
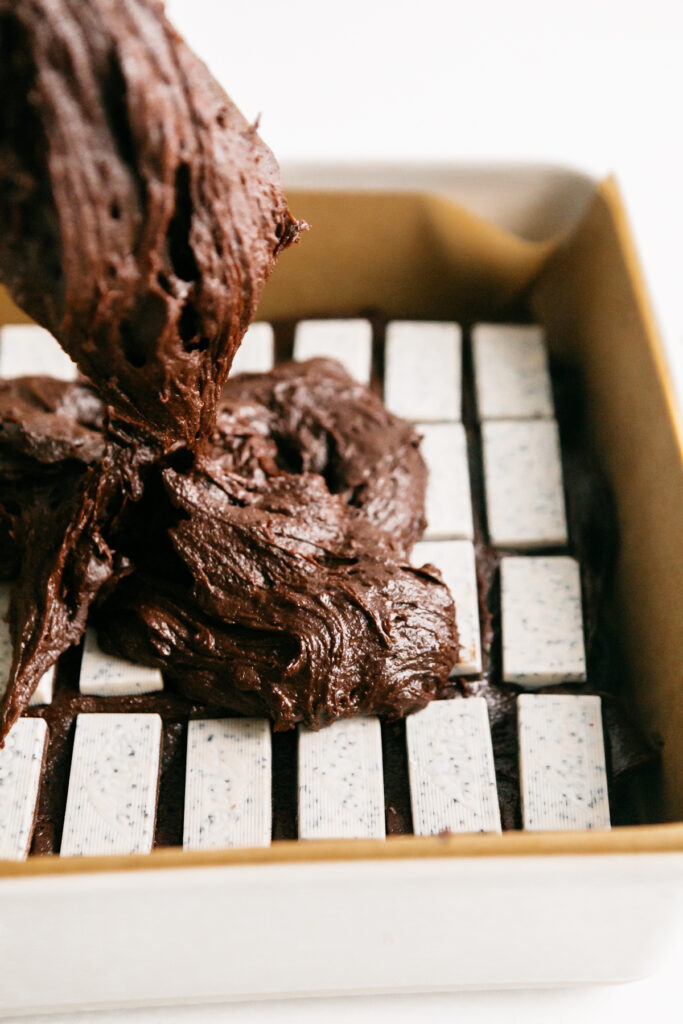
423 370
341 783
511 375
227 784
562 770
45 688
26 350
256 354
21 763
449 500
111 803
103 675
450 763
542 621
348 341
525 506
455 559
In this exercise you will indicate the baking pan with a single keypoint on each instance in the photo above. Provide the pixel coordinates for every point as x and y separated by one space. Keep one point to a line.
406 913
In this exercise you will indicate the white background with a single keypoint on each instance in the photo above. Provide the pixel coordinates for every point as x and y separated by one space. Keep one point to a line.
595 84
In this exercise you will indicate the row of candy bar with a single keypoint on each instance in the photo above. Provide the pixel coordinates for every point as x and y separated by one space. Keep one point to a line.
113 784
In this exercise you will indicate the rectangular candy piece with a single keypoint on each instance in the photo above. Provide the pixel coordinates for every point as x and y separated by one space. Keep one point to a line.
45 688
525 505
423 370
341 784
228 784
111 803
21 764
256 354
562 762
103 675
28 350
450 763
455 559
348 341
511 375
542 621
449 501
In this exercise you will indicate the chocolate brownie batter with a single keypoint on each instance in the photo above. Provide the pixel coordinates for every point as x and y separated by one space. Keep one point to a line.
268 574
141 213
141 218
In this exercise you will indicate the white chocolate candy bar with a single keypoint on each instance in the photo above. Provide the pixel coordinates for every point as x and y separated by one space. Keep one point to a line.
455 559
45 688
525 505
562 762
256 354
228 784
103 675
111 803
511 375
28 350
341 782
542 621
449 500
423 370
450 762
348 341
21 763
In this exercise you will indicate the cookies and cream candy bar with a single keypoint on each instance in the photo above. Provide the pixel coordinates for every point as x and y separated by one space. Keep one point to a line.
452 775
511 374
348 341
563 777
228 784
28 350
542 621
111 803
448 502
341 788
104 675
423 370
525 505
44 690
455 559
21 764
256 354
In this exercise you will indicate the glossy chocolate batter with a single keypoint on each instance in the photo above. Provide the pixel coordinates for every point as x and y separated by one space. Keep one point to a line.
141 213
141 218
266 573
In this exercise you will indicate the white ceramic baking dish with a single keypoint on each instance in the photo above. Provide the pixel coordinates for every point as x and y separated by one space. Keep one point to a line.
423 914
